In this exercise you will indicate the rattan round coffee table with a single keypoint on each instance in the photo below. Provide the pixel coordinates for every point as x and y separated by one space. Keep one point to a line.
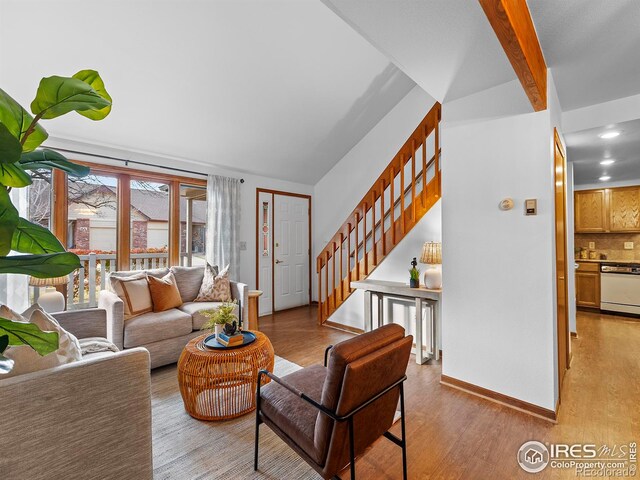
221 384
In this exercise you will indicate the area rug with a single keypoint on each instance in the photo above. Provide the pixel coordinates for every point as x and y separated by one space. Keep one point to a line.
189 449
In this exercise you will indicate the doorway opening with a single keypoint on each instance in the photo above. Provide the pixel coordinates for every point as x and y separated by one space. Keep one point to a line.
283 250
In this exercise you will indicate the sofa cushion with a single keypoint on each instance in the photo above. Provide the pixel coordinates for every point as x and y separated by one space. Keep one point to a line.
164 292
194 309
189 280
134 293
153 327
155 272
215 287
295 417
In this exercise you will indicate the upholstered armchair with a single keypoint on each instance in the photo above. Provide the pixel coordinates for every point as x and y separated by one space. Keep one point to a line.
331 414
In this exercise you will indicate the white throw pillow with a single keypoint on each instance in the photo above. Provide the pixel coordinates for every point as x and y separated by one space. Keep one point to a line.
134 292
25 358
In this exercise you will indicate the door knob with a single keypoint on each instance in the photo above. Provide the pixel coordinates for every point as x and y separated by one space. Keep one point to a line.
278 261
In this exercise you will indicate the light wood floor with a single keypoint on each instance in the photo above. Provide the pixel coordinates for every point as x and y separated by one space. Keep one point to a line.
455 435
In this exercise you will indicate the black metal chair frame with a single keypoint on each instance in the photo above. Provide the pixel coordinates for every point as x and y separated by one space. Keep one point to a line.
401 442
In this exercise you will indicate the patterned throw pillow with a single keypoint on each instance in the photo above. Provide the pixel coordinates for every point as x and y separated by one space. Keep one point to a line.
164 293
27 359
215 288
134 293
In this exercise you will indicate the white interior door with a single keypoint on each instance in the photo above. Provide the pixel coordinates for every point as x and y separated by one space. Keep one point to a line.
291 251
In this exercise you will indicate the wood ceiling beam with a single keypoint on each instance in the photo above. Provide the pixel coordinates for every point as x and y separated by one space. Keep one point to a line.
512 24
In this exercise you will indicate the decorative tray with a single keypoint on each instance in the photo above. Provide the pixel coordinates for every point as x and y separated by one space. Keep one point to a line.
212 342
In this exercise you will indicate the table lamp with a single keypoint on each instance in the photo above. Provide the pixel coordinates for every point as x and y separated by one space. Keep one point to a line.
432 256
51 300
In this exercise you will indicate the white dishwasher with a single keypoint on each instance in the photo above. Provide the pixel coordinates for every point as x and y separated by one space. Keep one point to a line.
620 287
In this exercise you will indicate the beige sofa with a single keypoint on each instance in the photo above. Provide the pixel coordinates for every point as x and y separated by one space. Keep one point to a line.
164 334
87 419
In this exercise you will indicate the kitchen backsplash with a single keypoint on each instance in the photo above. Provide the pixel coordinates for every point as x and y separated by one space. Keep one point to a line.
611 244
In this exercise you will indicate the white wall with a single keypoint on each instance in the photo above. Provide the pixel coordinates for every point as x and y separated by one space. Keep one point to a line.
395 268
498 305
340 190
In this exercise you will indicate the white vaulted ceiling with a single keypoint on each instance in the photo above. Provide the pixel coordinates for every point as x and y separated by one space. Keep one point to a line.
592 47
281 88
446 46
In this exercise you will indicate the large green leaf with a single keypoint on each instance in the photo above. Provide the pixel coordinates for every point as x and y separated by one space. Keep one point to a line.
13 175
10 148
8 221
59 95
41 266
51 159
21 333
17 121
32 238
93 78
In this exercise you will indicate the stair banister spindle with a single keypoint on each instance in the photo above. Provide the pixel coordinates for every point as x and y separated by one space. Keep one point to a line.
349 255
437 163
357 264
341 269
373 227
392 205
326 284
402 195
382 210
413 181
424 168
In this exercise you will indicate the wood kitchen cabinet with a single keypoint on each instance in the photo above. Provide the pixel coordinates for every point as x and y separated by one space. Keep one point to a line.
591 211
615 210
588 285
624 209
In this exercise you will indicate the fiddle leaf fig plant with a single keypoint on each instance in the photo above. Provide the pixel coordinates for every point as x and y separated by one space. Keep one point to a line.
21 134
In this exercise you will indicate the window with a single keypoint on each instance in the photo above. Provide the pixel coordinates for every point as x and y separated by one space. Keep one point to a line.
92 216
193 220
149 244
118 219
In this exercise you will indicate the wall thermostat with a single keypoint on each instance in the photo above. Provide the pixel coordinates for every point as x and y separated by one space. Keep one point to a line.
506 204
531 207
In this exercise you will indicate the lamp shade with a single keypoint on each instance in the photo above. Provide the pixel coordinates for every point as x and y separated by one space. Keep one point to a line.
431 253
47 282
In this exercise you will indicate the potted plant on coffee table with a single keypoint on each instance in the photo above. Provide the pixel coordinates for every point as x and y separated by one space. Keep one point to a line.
220 316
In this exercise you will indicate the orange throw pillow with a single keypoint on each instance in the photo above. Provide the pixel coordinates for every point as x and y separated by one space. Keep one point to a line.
164 292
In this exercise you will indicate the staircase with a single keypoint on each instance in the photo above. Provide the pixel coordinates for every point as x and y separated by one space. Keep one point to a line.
406 190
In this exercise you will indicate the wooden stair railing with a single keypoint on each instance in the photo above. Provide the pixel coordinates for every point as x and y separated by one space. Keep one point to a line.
406 190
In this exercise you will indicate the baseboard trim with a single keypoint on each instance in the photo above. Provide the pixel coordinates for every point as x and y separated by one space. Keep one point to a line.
339 326
574 334
506 400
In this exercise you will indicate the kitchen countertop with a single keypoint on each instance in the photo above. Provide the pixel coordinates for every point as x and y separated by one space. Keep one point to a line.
608 260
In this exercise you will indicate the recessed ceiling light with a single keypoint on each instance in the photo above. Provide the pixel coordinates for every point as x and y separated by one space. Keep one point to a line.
611 134
604 178
609 161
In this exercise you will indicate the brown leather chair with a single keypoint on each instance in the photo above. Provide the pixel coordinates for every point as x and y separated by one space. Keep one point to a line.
329 415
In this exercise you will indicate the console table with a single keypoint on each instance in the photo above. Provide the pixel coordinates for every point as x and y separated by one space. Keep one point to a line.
421 296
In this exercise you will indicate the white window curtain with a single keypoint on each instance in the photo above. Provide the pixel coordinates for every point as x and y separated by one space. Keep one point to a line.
223 223
14 289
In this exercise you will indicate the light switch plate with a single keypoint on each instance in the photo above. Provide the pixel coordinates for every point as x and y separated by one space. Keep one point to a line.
592 245
628 245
